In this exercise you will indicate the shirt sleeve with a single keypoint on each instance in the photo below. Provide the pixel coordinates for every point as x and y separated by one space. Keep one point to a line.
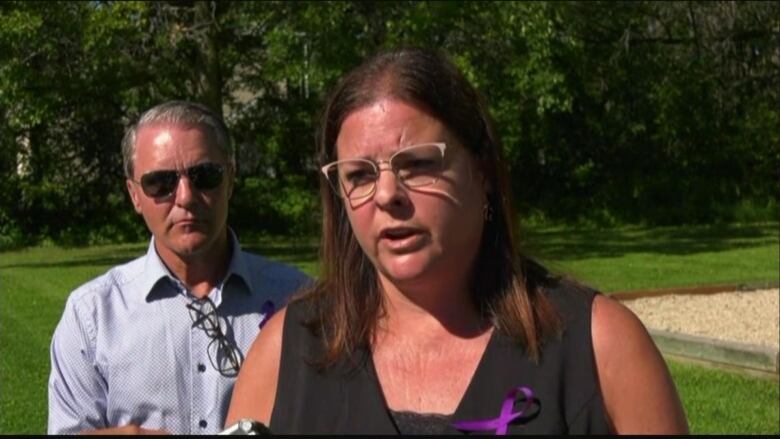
77 390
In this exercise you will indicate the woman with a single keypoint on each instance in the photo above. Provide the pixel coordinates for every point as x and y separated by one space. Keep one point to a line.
426 318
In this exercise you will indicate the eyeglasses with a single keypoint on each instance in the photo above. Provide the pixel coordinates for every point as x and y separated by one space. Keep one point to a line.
414 166
223 353
163 183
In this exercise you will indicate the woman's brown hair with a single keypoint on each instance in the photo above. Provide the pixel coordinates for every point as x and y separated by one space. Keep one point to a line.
346 302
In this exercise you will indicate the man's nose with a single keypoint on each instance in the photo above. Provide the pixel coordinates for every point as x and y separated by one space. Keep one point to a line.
184 194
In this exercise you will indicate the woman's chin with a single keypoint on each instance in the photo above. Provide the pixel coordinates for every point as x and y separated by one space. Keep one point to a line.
405 268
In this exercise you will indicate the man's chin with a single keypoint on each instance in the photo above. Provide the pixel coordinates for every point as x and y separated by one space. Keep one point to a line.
191 245
188 244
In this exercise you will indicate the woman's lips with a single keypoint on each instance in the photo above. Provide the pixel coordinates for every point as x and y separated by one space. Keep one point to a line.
402 239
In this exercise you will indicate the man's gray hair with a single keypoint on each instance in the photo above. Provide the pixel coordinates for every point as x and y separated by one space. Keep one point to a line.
178 113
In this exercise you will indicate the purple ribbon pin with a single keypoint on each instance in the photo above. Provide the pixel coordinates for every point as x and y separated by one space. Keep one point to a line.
267 310
500 423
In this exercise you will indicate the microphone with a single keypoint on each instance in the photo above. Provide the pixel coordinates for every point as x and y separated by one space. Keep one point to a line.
246 426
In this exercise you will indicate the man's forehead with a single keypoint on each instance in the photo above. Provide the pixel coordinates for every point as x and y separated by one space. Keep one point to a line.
155 129
161 137
164 135
174 145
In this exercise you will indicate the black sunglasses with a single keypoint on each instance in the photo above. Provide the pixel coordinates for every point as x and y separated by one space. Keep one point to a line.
224 354
161 184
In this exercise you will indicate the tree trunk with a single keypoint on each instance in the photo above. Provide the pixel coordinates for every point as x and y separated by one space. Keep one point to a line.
211 71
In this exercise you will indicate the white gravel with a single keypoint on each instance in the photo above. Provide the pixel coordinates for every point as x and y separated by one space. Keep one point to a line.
751 317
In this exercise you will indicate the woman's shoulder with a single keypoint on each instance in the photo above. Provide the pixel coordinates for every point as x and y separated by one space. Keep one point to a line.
255 389
275 350
303 325
305 309
619 337
268 342
572 300
305 304
638 390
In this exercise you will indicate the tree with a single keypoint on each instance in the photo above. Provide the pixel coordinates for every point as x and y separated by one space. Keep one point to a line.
628 111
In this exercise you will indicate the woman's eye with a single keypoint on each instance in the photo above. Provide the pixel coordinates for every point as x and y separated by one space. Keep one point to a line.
421 163
359 177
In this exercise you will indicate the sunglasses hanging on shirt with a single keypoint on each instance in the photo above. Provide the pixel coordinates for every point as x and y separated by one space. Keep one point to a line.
222 351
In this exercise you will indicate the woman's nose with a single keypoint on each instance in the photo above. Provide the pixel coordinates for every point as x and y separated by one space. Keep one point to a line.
389 189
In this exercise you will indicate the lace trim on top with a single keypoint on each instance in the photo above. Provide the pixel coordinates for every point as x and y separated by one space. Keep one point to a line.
422 423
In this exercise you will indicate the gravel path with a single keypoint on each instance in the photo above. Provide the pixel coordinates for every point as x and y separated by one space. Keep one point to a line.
751 317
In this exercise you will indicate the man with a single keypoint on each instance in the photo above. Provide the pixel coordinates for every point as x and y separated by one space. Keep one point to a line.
155 344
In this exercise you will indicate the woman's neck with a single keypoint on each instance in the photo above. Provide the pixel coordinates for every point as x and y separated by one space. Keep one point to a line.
430 309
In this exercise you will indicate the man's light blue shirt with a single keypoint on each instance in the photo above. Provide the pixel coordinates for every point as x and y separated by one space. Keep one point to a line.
126 352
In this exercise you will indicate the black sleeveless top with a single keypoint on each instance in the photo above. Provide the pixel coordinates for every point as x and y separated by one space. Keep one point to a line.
347 398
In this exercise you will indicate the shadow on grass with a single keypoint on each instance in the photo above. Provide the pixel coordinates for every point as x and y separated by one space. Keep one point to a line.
559 243
279 250
298 253
563 243
94 262
110 256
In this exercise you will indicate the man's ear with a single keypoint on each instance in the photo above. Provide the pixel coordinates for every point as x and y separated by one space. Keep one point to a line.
135 197
231 180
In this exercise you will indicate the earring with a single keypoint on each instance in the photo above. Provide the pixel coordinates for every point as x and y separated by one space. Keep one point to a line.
487 212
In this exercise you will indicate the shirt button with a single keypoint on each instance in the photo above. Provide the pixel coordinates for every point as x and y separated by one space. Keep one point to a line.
201 367
203 423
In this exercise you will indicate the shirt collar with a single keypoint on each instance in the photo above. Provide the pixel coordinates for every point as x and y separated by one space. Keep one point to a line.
238 264
155 271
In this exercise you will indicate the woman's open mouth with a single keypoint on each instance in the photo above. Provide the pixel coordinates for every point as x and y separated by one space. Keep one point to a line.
402 239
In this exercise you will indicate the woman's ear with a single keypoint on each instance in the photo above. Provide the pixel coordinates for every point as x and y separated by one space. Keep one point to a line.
486 185
484 173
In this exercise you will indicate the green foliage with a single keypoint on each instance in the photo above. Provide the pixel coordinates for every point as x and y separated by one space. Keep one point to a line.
632 112
274 207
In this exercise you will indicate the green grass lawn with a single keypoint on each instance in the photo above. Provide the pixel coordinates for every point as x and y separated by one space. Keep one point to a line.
34 284
635 258
719 402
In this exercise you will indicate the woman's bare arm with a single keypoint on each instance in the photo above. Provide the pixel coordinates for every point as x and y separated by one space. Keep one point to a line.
255 389
639 394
